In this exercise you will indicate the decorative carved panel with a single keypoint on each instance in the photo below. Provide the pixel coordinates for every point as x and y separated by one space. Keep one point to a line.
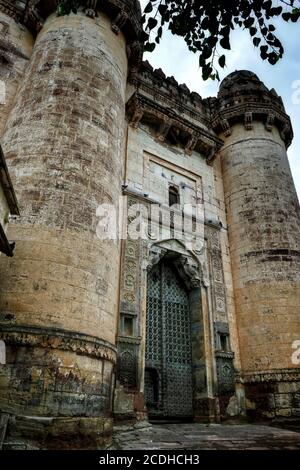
225 373
218 283
127 362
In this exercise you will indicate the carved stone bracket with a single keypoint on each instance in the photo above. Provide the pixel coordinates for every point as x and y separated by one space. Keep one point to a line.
134 53
212 155
191 144
135 112
190 271
248 121
163 129
118 23
90 10
156 253
270 122
226 127
286 134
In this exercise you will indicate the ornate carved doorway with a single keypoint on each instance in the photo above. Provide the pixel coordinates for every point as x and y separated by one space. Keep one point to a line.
168 366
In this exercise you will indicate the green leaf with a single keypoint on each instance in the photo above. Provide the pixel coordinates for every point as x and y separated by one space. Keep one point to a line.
149 47
206 53
162 9
206 72
212 41
225 43
267 5
264 52
148 8
202 61
249 22
273 58
144 36
222 61
295 17
152 22
286 16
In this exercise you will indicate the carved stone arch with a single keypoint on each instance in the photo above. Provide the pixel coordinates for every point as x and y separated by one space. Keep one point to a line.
185 262
189 269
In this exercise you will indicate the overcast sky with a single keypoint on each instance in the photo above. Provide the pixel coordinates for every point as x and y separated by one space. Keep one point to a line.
175 59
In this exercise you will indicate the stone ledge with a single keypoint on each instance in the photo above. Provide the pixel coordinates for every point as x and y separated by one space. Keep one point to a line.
280 375
53 338
188 133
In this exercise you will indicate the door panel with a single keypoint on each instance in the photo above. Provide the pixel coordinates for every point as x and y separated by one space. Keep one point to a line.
168 374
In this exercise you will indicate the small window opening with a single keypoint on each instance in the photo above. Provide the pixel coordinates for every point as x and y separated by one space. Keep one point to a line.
223 342
173 196
128 326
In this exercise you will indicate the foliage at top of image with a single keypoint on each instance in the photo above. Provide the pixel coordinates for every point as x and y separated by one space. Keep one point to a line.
65 7
206 26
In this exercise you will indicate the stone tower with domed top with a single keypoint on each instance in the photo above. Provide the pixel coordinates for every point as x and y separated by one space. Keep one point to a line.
97 331
263 218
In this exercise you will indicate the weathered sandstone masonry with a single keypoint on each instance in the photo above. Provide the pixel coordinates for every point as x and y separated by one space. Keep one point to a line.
64 141
16 43
263 219
83 119
170 142
8 207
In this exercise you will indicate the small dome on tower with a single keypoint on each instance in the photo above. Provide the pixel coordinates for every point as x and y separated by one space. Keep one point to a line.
239 81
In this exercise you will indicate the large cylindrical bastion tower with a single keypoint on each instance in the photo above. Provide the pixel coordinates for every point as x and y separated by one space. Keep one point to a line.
264 233
64 141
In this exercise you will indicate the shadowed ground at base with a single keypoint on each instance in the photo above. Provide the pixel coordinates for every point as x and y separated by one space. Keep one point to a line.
204 437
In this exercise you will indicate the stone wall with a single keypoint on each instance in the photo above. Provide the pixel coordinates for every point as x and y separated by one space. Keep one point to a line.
153 163
263 219
4 209
65 138
16 44
64 144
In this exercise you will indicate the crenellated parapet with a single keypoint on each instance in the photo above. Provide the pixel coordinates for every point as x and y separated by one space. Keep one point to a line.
183 118
14 9
244 98
125 17
175 113
125 14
